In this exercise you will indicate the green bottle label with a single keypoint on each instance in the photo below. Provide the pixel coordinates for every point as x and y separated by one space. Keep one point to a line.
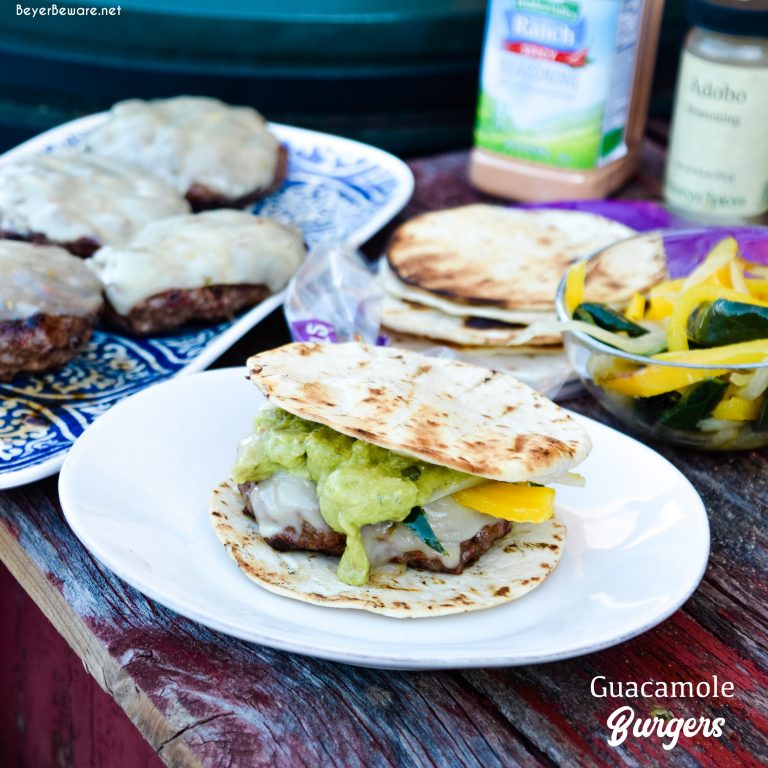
556 80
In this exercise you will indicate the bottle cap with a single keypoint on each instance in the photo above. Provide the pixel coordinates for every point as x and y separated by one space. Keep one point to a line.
731 17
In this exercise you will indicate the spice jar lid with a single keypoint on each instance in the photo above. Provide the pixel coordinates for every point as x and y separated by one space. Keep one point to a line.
731 17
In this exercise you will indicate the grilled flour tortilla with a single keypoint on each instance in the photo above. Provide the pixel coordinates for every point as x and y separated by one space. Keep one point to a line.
479 275
384 456
421 320
502 257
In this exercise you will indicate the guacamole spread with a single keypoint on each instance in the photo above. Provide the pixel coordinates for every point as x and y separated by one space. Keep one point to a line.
357 483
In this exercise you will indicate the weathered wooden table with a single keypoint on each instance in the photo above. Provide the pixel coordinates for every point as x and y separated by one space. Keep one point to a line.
200 698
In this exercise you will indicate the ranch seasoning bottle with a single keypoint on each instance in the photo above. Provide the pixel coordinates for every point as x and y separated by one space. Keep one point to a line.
564 92
717 168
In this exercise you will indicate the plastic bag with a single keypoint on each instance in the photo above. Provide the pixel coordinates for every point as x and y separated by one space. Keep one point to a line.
334 297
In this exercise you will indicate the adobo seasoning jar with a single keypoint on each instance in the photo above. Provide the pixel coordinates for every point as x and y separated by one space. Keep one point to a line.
717 168
564 94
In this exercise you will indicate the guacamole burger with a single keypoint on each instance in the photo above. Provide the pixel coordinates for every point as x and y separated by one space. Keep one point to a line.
382 479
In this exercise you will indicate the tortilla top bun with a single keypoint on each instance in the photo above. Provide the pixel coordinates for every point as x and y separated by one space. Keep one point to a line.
439 410
495 256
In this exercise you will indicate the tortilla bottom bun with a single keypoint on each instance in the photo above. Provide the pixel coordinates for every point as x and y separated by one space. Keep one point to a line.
512 567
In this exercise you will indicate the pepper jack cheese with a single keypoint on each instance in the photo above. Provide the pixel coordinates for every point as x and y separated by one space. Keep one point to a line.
67 195
223 247
191 140
44 280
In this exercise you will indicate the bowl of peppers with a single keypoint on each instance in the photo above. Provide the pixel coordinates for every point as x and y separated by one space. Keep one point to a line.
685 361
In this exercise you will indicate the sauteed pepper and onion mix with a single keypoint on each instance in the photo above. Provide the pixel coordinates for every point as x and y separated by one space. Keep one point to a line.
715 317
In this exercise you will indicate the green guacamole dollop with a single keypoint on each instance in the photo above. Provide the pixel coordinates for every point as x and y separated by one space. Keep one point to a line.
357 483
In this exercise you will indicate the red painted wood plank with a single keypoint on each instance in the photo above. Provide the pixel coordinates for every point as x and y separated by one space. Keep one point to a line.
52 712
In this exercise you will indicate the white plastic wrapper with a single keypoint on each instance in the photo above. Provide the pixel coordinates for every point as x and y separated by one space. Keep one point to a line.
335 297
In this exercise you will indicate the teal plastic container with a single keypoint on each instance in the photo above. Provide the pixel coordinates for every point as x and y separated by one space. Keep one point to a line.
395 73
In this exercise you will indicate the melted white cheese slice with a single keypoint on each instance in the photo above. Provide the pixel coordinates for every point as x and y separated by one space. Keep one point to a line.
191 139
222 247
67 195
285 501
44 280
451 523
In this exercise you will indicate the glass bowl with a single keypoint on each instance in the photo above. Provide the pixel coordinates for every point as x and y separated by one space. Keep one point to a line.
664 415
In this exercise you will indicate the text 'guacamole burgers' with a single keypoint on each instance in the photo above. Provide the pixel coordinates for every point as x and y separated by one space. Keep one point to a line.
373 472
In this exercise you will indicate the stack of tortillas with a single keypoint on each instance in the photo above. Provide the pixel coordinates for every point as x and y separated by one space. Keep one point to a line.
477 276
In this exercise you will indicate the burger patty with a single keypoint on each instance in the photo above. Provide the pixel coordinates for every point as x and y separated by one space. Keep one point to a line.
308 538
41 342
332 543
202 198
173 309
83 246
470 551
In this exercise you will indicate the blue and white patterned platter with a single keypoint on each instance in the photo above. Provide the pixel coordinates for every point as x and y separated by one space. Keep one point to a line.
336 189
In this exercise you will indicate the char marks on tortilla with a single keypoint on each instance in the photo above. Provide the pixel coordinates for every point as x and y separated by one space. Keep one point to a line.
443 411
510 259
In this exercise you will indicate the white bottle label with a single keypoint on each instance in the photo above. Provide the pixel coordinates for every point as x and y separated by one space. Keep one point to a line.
718 154
557 78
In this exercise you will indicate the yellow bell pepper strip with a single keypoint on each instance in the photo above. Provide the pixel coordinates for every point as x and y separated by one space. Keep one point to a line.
743 353
574 286
653 380
677 330
510 501
736 409
720 256
722 277
636 308
731 275
662 298
757 287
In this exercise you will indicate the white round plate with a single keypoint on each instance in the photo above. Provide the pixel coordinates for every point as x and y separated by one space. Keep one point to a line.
135 490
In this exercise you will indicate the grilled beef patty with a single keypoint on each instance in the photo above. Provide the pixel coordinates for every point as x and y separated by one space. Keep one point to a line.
170 310
83 247
41 342
471 550
308 538
201 198
332 543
